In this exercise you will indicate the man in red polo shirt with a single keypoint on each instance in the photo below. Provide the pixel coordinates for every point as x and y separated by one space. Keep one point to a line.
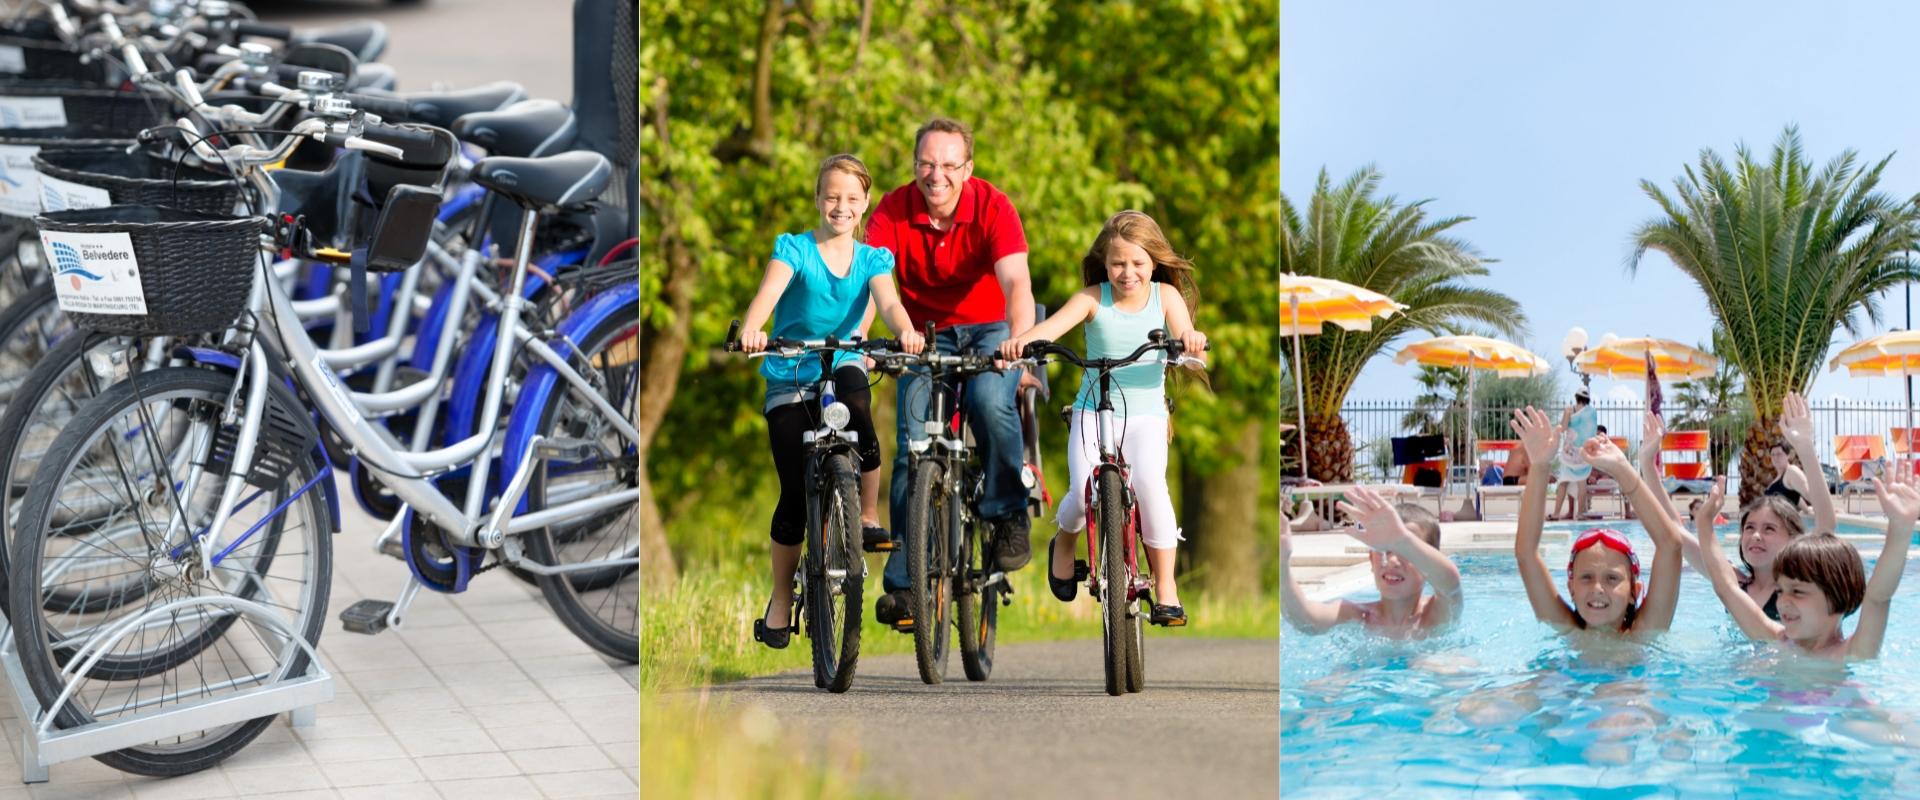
960 258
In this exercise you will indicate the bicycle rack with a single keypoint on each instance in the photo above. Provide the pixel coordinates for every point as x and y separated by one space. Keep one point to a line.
41 747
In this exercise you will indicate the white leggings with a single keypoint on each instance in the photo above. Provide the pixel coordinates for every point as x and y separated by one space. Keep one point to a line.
1143 444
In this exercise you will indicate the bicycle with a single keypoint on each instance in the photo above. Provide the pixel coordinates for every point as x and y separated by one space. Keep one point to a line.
1113 573
832 573
942 523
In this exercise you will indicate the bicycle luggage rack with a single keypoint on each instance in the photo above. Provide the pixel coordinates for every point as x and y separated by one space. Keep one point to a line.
41 747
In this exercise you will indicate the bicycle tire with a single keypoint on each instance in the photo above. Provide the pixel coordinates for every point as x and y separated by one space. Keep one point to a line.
978 616
197 390
833 603
600 606
929 514
1113 580
1136 643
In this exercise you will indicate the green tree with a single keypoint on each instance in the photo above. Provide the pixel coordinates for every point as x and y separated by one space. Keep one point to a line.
1349 233
1495 397
1717 404
1786 255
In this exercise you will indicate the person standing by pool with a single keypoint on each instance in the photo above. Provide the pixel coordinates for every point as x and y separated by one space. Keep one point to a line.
1404 550
962 265
1603 574
1581 424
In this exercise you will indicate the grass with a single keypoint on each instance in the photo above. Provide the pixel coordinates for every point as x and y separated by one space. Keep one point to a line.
699 748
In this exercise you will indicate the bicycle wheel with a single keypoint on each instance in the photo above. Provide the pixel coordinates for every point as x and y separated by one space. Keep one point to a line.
601 606
1136 644
979 611
930 510
127 450
1113 579
834 582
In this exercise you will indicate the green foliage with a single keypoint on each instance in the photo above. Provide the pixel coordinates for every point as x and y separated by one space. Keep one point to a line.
1078 112
1495 397
1717 404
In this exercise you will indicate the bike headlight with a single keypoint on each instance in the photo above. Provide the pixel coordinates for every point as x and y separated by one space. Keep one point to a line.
836 416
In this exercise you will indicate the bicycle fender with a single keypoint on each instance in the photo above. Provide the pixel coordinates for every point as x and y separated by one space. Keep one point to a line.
230 363
542 379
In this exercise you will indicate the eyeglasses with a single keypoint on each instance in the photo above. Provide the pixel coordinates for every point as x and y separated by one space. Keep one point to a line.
924 167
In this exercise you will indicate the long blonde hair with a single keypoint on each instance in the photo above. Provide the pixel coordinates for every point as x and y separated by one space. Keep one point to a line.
1169 267
847 163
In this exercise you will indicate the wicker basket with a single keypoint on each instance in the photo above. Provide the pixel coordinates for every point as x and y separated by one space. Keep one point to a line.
45 140
196 270
107 111
42 59
140 178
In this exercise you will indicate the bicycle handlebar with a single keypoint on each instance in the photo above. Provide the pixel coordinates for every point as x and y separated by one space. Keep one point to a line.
1157 340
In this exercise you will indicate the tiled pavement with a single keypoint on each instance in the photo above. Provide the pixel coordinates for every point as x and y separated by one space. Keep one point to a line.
480 695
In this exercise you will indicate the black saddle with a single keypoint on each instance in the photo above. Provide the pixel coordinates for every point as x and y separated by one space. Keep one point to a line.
527 129
568 179
440 109
365 39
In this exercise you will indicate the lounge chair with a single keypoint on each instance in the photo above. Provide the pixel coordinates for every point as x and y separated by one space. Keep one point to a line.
1853 454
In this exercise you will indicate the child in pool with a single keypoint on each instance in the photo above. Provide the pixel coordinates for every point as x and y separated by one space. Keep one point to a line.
1771 521
819 283
1135 283
1821 580
1405 555
1603 574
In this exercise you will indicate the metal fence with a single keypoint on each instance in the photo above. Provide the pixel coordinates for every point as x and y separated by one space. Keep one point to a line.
1372 424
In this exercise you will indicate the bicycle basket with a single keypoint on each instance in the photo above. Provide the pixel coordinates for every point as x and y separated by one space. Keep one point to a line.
19 179
55 104
40 59
151 270
138 178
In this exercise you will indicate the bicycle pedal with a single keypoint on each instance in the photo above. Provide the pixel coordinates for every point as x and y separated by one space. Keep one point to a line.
887 546
367 616
566 449
903 625
1080 570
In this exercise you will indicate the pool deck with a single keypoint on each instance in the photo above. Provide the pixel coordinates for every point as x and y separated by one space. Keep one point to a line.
1330 564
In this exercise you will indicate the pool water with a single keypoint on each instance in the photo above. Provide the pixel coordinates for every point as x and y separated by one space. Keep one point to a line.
1501 706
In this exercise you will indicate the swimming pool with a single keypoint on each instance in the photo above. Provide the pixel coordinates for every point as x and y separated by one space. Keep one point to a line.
1501 706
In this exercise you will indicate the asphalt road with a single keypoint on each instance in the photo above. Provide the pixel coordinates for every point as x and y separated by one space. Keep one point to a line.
1208 724
457 43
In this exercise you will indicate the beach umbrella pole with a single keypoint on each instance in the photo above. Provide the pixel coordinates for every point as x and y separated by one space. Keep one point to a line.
1299 387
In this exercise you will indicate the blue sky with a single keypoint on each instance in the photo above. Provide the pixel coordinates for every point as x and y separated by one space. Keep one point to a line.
1540 119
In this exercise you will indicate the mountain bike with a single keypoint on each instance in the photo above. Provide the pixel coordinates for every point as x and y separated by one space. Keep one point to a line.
1113 541
832 573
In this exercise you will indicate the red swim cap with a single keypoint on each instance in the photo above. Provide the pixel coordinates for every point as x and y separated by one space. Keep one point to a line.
1610 539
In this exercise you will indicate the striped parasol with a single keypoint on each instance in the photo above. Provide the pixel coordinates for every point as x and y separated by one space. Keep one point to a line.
1887 355
1308 305
1626 359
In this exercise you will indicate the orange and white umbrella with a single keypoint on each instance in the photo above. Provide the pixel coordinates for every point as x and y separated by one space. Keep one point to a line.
1474 353
1307 305
1889 354
1626 359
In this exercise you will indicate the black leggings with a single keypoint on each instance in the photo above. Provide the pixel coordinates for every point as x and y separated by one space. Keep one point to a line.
786 429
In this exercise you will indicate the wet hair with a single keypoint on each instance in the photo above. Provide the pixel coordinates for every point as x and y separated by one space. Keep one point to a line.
1694 506
943 125
1169 267
1600 429
1789 519
1829 563
1423 523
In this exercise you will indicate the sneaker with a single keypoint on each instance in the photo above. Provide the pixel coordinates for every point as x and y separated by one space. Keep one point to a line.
1012 547
893 607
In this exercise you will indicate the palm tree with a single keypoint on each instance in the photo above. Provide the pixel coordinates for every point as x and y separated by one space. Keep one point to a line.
1785 256
1352 235
1716 404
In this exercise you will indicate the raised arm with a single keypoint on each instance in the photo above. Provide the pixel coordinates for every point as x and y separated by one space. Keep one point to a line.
1075 311
1713 562
753 337
1539 436
1900 500
1383 530
1306 615
1796 424
1656 514
887 299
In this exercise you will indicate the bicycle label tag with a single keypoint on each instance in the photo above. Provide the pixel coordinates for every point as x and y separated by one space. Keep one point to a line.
13 59
59 195
32 112
19 181
95 273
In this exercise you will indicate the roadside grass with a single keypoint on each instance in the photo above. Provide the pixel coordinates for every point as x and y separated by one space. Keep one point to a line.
697 747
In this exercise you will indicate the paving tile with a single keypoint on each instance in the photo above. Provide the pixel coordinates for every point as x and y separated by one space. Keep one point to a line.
560 759
400 701
561 666
403 791
341 728
297 777
585 784
377 680
274 755
562 735
210 783
383 772
446 743
437 719
60 790
508 788
461 767
354 748
521 714
622 754
306 794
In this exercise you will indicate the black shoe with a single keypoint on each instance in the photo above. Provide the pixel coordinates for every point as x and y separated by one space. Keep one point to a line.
1012 545
894 608
1063 588
776 638
1168 616
875 539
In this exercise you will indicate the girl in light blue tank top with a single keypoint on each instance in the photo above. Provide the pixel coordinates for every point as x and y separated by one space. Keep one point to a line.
1135 283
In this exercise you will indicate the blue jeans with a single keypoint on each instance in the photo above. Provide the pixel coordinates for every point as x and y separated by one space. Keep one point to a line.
988 404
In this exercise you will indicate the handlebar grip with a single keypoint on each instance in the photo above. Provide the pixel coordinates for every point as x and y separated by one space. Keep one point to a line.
392 109
733 337
1034 348
263 29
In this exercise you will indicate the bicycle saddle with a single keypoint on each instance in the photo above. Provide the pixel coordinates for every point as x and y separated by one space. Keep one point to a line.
365 39
440 109
558 181
372 76
527 129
